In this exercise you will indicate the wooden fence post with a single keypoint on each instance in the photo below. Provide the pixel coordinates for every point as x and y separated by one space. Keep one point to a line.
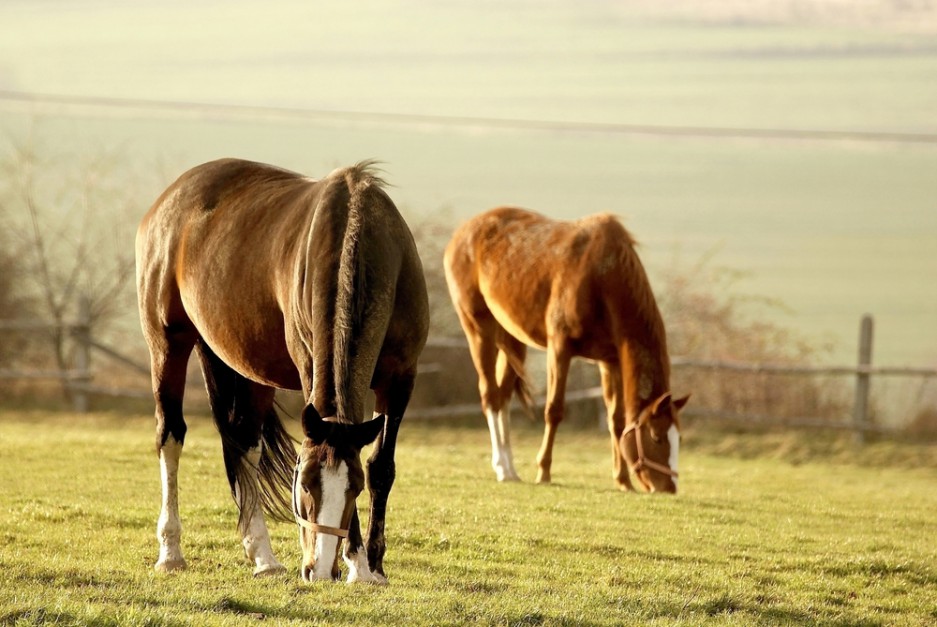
860 415
82 356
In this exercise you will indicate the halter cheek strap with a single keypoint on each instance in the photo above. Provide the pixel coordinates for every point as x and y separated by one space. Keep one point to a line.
644 462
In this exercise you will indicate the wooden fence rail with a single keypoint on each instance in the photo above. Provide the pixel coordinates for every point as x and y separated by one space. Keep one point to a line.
74 379
859 423
79 379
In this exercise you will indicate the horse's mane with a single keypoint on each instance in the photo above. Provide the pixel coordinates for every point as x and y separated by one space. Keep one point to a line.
637 284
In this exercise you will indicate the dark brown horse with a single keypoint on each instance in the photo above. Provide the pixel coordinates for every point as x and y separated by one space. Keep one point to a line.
281 281
576 289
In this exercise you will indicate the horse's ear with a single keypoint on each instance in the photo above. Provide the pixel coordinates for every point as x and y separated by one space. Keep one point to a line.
680 402
361 435
314 427
660 403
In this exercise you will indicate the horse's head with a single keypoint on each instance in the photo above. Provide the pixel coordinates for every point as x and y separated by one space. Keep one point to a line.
327 480
651 444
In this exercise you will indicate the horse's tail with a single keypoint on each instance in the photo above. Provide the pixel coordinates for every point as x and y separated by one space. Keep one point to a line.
521 383
350 301
235 404
277 459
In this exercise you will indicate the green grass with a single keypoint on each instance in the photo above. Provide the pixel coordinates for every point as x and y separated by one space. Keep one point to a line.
758 540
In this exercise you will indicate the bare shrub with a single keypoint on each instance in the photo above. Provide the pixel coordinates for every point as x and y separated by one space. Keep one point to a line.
73 219
12 305
924 424
708 320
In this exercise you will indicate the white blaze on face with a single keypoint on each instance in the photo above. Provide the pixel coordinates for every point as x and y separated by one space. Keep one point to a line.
329 514
673 436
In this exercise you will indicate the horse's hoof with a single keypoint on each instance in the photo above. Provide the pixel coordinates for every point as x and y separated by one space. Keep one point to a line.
169 566
543 477
270 570
508 479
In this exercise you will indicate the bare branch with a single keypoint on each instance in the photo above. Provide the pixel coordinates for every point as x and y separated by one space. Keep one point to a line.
40 251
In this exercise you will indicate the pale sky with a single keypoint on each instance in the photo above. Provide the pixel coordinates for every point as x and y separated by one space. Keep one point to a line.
830 228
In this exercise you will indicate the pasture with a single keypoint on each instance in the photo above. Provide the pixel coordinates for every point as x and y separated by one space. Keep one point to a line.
804 535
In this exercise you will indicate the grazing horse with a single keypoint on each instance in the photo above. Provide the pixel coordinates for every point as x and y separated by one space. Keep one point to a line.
576 289
281 281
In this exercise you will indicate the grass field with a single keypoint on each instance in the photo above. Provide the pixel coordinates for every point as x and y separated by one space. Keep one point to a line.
750 540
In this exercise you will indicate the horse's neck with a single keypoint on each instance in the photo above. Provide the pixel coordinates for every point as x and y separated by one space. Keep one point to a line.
646 374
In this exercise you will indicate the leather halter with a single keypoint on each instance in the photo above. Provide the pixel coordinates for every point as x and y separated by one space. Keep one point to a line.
644 462
333 531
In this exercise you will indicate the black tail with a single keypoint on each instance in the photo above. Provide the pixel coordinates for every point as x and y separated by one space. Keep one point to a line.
245 416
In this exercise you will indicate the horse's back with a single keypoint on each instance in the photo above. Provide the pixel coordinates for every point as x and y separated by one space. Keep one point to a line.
206 235
540 277
240 190
233 251
518 239
206 268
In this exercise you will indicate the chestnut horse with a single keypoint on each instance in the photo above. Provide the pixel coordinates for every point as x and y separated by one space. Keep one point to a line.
576 289
281 281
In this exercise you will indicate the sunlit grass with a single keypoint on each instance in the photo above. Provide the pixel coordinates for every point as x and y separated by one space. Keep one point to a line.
747 541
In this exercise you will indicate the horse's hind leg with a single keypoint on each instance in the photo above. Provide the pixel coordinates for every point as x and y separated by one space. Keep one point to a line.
169 354
614 404
240 407
510 356
482 331
558 358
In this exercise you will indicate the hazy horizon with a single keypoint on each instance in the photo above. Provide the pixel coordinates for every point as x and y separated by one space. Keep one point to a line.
832 229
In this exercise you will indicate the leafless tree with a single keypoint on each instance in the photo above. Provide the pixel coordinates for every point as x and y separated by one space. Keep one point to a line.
72 219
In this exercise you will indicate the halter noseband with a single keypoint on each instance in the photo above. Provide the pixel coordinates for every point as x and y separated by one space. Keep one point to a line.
644 462
333 531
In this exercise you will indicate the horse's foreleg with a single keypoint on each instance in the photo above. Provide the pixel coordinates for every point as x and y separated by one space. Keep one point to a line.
502 458
381 474
240 408
499 421
355 555
558 358
494 387
614 405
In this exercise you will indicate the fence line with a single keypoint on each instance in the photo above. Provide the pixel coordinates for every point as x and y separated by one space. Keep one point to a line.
859 423
768 368
78 379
